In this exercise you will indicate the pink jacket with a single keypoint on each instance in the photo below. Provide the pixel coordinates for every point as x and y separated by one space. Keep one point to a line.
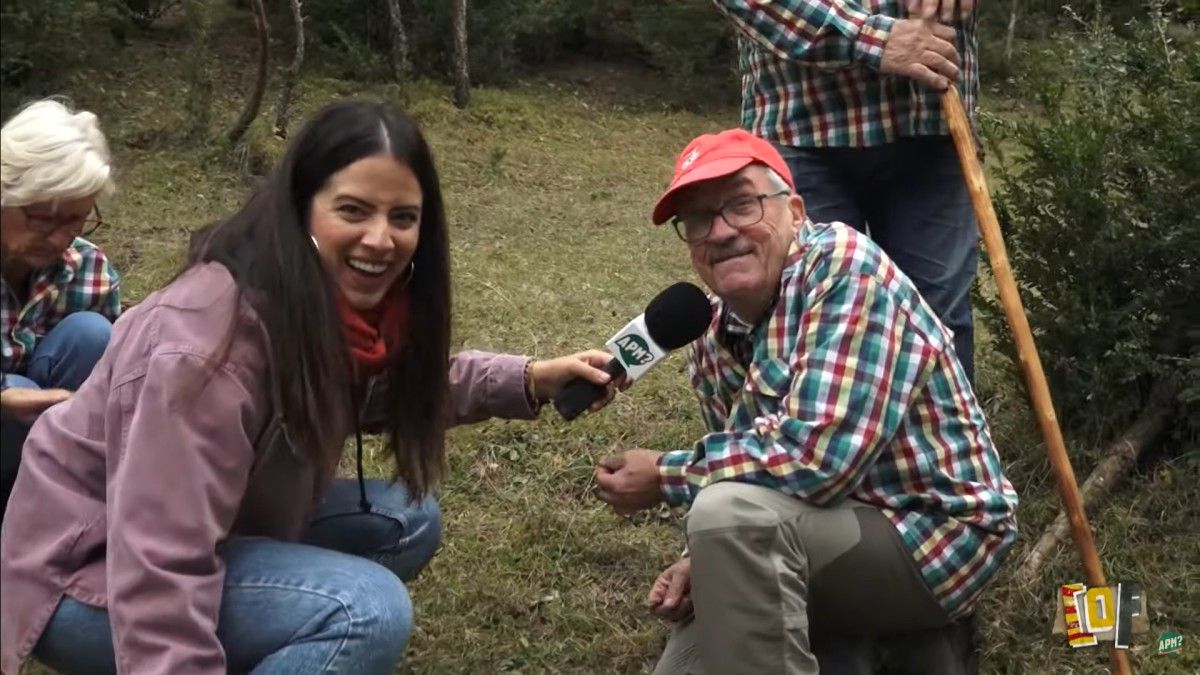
126 489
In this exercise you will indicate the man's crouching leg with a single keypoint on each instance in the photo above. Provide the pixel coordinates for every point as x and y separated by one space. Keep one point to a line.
780 586
754 551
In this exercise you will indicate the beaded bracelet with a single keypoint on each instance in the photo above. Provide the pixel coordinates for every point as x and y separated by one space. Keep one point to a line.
534 404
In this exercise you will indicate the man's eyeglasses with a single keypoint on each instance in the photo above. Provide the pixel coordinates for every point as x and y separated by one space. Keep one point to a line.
47 224
738 213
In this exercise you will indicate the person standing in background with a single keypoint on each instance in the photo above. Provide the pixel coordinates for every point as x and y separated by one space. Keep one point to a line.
849 94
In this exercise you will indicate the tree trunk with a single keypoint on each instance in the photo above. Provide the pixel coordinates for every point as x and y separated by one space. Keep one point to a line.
400 64
290 75
254 103
462 75
1118 460
198 104
1012 31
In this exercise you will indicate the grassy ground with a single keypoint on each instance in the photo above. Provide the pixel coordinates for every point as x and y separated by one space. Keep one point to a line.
548 186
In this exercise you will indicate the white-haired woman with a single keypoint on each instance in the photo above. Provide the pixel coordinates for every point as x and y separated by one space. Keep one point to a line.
59 294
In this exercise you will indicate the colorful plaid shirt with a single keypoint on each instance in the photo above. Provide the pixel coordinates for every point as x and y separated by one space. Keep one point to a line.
853 391
82 281
810 73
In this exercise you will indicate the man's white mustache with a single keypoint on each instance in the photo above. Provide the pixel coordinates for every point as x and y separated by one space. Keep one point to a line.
723 255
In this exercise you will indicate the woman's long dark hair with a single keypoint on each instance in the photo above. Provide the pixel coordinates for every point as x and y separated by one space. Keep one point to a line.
267 248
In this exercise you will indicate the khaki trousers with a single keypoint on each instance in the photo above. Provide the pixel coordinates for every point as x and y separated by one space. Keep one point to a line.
780 586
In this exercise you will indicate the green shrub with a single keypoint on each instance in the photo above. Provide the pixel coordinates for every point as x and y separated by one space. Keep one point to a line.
43 40
691 42
685 39
143 13
1099 205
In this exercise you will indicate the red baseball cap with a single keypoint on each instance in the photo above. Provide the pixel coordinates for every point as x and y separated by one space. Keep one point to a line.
716 155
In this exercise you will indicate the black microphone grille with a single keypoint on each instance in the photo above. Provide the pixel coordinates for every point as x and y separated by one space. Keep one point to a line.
678 315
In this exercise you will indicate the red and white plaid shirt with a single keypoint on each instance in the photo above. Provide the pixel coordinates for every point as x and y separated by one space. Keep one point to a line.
810 73
850 389
82 281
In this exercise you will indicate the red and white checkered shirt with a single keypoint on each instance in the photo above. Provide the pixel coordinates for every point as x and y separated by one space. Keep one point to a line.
850 389
82 281
810 73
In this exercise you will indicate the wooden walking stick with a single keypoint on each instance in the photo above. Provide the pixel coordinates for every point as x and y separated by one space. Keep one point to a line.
1031 365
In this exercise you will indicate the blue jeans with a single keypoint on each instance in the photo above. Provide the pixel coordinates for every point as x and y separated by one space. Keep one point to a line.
62 359
911 198
334 603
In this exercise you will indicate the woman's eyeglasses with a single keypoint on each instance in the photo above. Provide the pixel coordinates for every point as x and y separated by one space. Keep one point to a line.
43 223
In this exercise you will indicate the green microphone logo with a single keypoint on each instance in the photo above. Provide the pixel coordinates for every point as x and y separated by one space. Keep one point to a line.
634 350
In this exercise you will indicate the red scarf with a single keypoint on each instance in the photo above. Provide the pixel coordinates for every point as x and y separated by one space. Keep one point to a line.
375 336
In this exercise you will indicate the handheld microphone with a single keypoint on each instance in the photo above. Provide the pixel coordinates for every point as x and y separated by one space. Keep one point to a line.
675 317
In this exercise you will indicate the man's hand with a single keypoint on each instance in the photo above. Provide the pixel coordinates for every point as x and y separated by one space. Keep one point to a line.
629 481
671 595
943 10
922 50
549 377
26 404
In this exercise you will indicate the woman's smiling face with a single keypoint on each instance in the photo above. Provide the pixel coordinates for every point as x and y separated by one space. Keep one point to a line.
366 224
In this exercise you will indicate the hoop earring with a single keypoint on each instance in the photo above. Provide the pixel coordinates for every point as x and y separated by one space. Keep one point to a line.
412 267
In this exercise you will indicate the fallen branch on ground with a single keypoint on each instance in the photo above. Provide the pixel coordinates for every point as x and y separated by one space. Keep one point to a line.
1118 460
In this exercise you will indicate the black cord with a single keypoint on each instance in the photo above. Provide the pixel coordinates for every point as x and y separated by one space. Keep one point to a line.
358 444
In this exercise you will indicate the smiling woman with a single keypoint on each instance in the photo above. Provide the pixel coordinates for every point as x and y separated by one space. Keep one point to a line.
214 534
58 294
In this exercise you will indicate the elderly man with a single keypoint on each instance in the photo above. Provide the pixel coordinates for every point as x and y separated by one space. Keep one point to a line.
847 487
58 294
